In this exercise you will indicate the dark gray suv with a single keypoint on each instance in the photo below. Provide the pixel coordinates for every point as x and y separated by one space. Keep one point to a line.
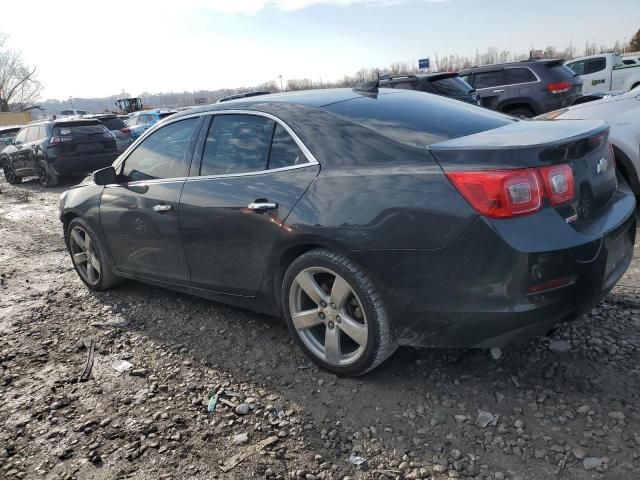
525 89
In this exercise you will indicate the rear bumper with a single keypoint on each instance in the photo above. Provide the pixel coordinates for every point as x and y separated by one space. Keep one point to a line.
474 293
82 164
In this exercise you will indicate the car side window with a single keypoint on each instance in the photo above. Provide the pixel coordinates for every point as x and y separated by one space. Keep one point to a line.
285 152
520 75
32 136
21 137
594 65
236 144
489 79
577 67
132 121
162 154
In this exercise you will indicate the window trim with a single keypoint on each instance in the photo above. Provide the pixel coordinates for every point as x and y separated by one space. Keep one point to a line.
122 159
312 161
507 84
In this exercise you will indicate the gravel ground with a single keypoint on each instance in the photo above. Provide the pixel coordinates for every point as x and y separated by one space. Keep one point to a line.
564 406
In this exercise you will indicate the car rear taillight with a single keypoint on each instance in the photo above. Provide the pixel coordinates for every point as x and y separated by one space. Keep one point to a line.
125 130
511 193
558 182
500 193
559 87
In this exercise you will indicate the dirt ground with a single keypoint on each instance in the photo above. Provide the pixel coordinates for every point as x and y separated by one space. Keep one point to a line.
561 407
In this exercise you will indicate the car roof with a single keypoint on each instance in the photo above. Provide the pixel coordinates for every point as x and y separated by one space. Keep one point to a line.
524 63
11 127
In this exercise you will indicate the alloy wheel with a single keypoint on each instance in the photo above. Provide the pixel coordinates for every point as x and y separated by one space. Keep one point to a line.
85 256
328 316
8 173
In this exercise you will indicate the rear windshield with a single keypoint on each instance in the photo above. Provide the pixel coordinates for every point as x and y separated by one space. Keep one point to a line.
79 129
114 123
416 119
561 72
451 87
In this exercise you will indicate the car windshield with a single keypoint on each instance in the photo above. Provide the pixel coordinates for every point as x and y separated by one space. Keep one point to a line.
416 119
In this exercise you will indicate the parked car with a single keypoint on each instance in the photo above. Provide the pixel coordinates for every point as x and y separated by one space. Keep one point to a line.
590 97
524 89
622 112
116 126
7 134
605 72
447 84
140 122
52 149
72 112
367 218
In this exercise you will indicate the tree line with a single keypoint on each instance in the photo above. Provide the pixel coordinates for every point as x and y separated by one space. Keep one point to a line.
20 87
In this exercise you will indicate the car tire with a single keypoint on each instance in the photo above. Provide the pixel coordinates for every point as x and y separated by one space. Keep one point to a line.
92 267
340 320
9 174
46 176
521 113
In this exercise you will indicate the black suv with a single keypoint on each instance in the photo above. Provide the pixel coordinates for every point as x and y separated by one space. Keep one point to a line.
51 149
525 89
448 84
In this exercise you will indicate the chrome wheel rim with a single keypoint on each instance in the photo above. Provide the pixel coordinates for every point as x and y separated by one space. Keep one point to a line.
84 255
328 316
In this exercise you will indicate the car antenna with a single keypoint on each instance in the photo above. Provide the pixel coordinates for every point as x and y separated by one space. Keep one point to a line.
368 87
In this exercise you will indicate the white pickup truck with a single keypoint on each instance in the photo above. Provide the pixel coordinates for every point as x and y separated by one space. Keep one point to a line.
605 72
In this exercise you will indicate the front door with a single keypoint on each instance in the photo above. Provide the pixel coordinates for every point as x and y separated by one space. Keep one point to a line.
139 214
22 157
251 175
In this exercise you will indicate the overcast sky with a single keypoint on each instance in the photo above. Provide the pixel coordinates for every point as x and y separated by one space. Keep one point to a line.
87 48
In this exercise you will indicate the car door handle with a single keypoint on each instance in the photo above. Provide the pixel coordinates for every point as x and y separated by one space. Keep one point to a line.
162 208
499 91
262 205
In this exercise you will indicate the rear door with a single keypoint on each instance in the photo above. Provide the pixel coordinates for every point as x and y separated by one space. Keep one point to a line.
523 84
252 173
139 214
492 88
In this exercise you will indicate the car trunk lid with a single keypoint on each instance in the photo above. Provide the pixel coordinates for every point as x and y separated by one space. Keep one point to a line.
581 144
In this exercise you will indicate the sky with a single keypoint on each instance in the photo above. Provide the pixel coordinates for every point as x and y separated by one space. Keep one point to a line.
89 48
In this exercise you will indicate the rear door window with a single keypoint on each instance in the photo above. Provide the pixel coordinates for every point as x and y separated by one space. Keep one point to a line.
519 75
489 79
237 144
285 152
162 154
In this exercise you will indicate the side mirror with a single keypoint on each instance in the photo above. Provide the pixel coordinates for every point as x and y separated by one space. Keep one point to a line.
104 176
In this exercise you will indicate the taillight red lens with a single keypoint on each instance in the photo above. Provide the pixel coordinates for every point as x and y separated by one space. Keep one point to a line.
559 87
511 193
500 193
558 182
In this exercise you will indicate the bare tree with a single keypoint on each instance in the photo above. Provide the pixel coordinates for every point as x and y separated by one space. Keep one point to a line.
634 43
19 84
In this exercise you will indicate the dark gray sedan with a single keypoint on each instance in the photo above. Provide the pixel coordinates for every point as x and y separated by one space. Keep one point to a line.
366 218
